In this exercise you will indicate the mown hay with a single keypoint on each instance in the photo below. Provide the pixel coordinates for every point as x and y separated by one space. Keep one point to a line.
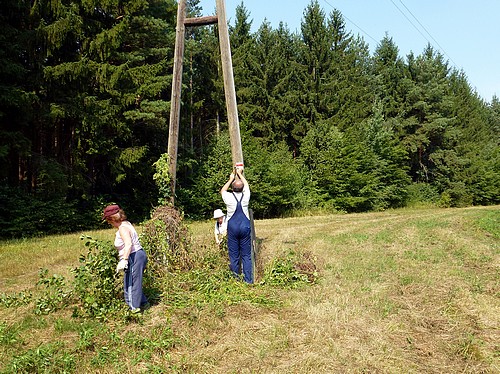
167 241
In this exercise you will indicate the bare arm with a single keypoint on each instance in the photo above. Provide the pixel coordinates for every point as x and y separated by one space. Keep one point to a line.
216 235
239 172
228 183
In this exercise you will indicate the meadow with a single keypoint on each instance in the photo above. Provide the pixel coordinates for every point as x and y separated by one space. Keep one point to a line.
400 291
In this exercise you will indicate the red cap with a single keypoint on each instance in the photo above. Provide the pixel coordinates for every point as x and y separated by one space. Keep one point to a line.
110 210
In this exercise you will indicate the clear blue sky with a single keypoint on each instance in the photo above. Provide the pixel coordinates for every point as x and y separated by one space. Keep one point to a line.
466 32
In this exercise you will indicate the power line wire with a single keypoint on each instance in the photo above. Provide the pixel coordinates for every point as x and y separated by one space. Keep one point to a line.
409 20
359 28
428 33
441 48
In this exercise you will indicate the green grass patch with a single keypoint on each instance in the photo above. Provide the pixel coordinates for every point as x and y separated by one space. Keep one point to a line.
489 221
45 358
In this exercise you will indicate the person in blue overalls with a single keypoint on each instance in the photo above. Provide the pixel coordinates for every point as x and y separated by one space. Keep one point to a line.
239 237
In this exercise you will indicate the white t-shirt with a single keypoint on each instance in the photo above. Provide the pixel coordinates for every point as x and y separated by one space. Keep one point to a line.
231 202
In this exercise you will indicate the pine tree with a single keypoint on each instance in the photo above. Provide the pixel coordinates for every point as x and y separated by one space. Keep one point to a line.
469 160
284 77
389 157
246 69
240 33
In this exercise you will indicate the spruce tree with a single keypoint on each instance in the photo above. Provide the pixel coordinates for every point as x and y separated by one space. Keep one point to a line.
316 59
427 109
17 101
389 74
107 89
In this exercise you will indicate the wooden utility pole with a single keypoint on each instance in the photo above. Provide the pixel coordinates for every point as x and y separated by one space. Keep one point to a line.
175 101
229 90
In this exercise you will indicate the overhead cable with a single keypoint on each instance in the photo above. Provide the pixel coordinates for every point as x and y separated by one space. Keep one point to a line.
359 28
423 27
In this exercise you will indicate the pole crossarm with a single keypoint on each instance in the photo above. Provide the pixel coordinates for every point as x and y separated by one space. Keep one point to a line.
201 21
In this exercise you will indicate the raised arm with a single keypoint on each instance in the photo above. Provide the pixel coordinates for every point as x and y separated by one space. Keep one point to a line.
239 172
228 183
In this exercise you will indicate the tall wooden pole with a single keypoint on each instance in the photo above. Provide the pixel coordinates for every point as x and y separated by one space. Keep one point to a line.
229 90
175 101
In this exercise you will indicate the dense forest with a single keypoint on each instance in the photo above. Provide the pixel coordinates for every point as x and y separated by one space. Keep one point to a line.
85 98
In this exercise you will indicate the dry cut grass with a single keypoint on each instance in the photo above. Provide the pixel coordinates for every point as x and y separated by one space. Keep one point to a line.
405 291
401 291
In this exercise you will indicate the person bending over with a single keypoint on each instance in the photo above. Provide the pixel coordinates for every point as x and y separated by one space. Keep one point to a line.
220 228
133 259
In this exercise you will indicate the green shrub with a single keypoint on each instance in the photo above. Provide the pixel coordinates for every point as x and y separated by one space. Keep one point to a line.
27 215
459 194
445 201
422 194
15 300
96 287
95 291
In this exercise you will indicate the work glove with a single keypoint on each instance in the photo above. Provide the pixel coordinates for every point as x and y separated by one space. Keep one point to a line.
122 265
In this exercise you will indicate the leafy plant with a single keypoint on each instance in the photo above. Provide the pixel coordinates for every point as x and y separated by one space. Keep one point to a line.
9 335
15 300
56 295
162 178
422 194
48 358
291 271
96 289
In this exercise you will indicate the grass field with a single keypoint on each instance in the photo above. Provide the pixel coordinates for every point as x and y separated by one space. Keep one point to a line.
403 291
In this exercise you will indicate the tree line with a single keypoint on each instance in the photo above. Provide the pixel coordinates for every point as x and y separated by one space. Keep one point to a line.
85 97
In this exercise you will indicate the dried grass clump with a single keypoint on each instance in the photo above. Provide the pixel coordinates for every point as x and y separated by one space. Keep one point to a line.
167 241
306 265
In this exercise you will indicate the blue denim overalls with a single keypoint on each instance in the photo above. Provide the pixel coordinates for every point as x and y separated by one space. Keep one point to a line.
239 242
